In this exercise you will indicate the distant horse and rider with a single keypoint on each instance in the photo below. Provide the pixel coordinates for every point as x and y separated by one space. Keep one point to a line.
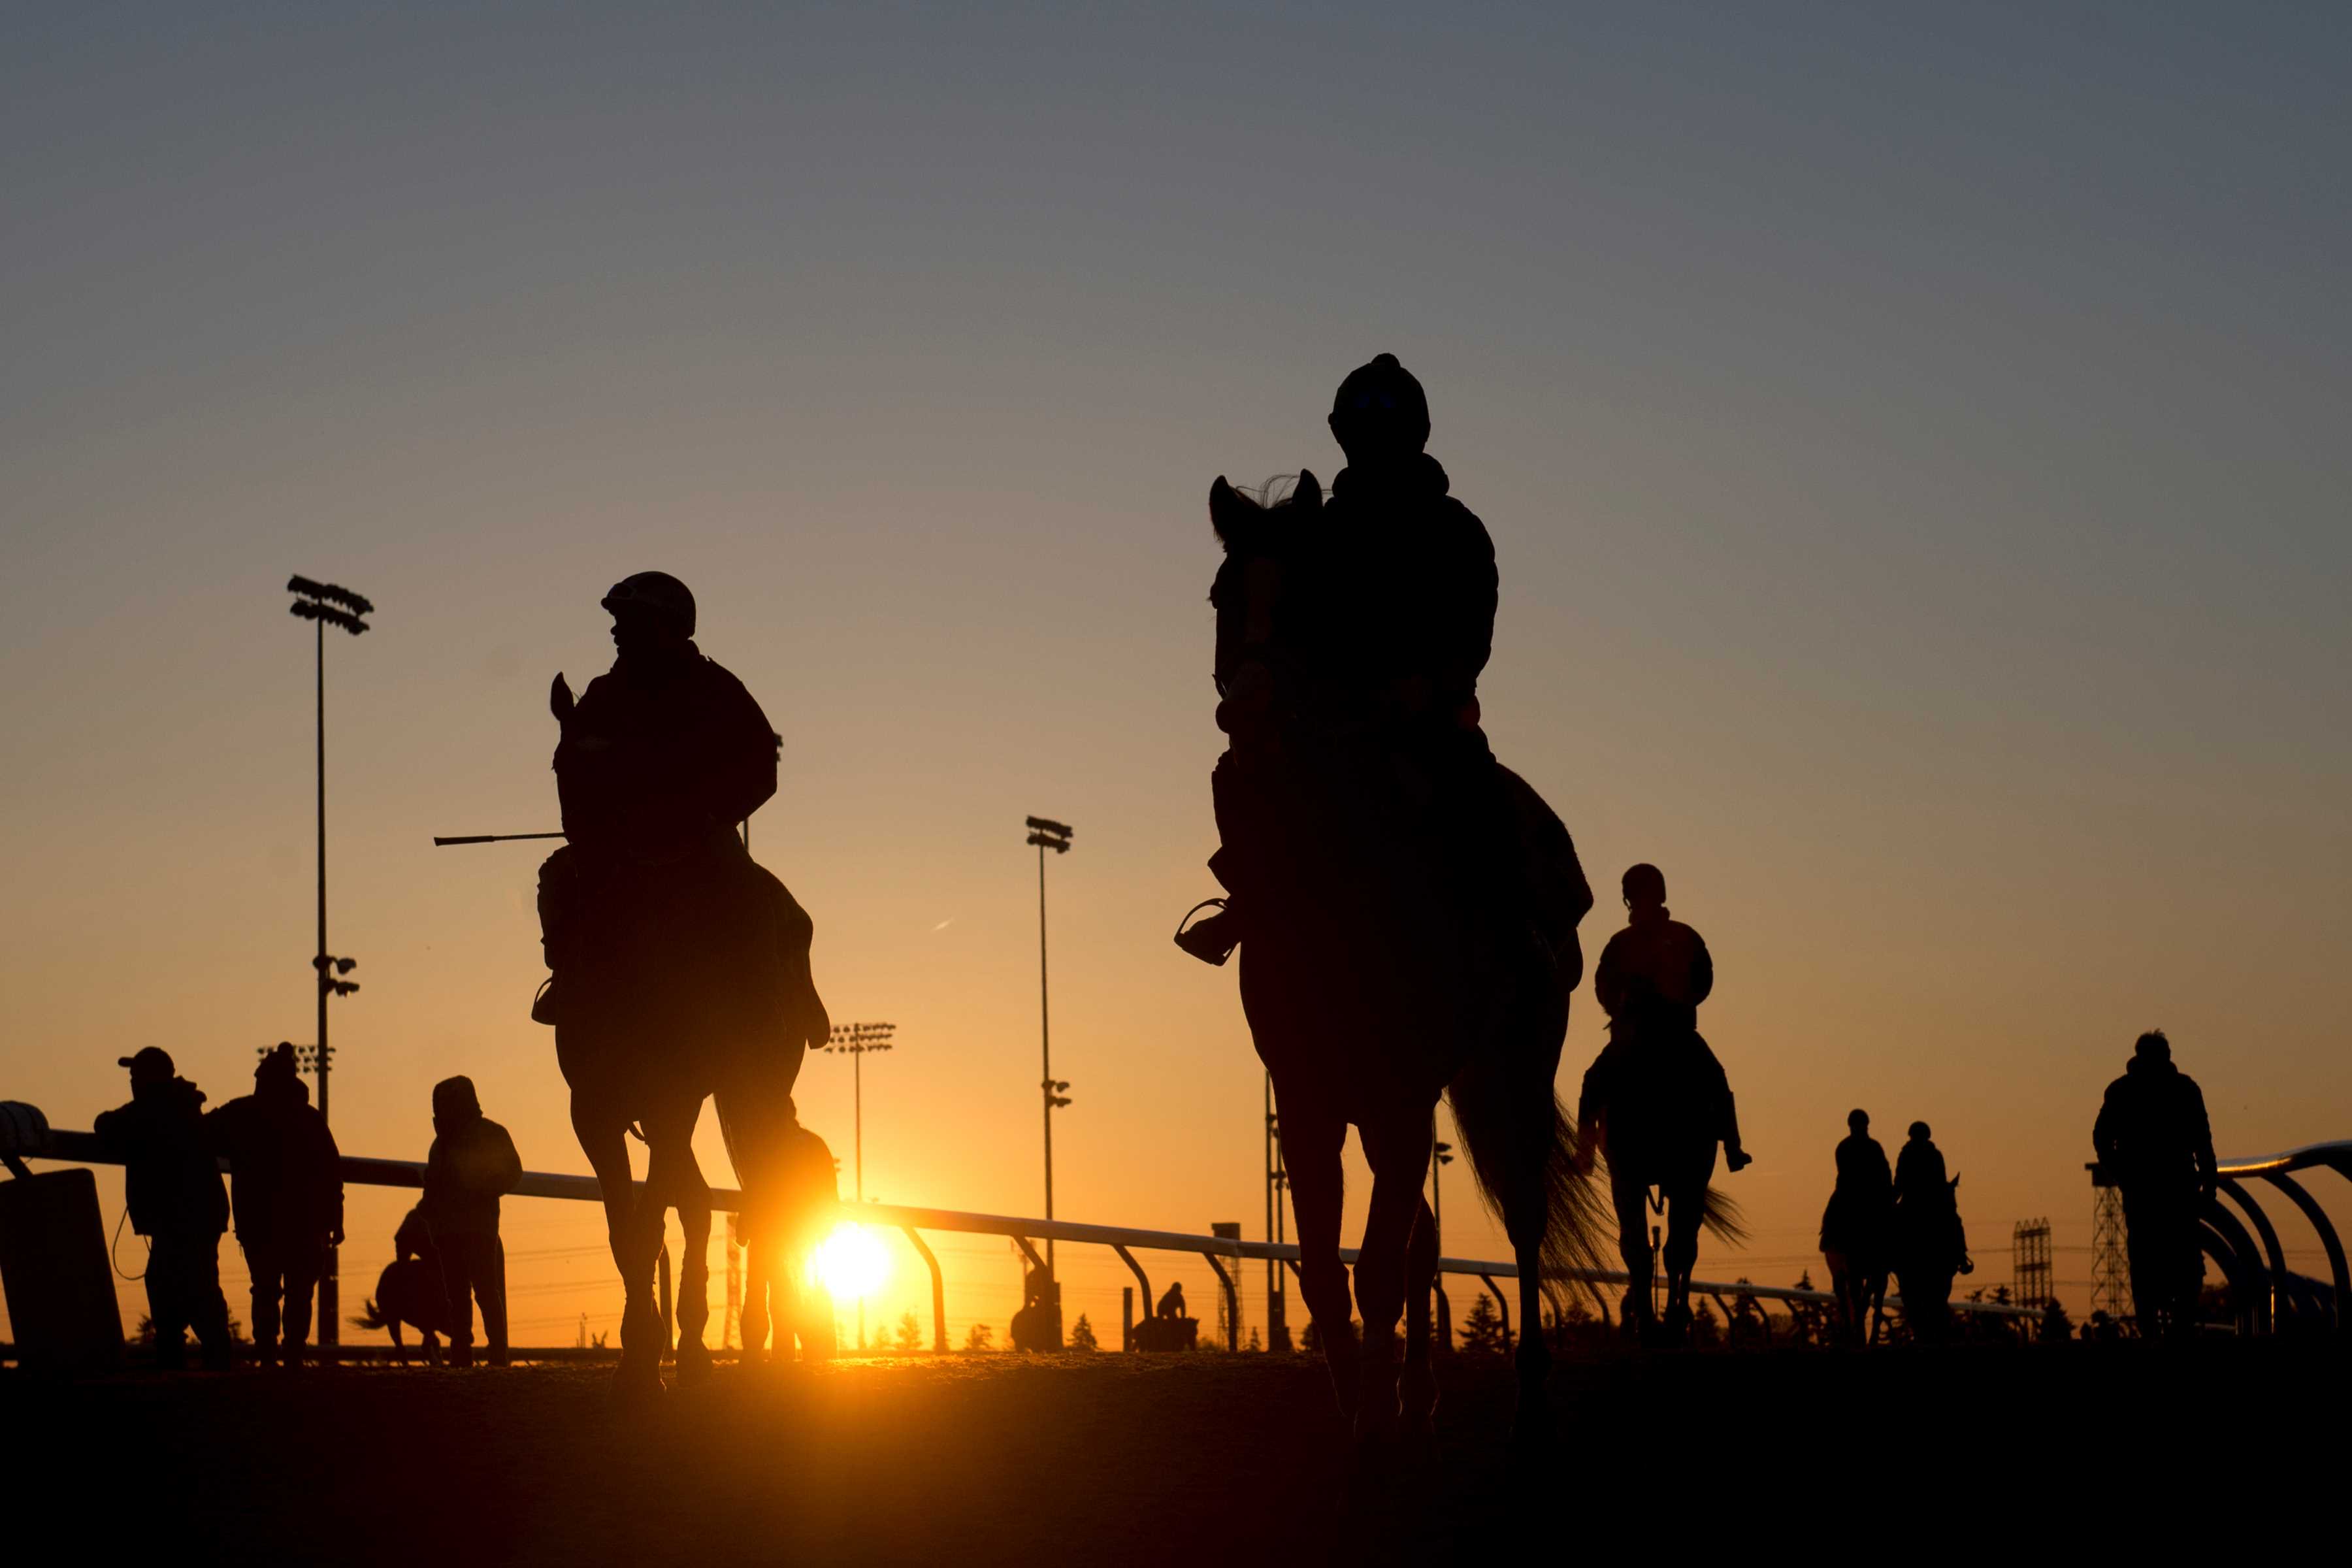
1405 907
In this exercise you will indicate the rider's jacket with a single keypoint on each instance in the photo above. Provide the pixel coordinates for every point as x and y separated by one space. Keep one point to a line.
1862 1167
1403 589
2153 1130
1653 974
658 754
1919 1176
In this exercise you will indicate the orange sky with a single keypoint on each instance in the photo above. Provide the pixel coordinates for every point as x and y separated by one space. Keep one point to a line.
1927 548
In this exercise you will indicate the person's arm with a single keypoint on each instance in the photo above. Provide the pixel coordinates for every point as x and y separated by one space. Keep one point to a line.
743 772
508 1167
2103 1131
1702 970
2208 1165
333 1173
1608 980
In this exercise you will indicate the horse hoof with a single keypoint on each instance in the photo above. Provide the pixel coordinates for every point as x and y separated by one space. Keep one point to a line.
693 1365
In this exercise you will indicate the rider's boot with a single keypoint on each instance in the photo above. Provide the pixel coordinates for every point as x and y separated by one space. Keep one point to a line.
1213 939
1734 1158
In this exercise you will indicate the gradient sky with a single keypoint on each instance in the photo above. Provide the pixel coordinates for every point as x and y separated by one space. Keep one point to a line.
1913 438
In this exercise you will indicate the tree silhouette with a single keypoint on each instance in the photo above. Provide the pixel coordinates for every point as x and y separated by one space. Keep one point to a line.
1255 1343
910 1334
1482 1328
1705 1330
1082 1335
980 1338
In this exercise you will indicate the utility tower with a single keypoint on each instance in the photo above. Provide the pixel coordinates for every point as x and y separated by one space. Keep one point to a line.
2110 1259
2029 1251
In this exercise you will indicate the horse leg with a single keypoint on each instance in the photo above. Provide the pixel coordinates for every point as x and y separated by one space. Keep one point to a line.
1631 1200
1685 1207
602 1129
1397 1145
1312 1137
674 1179
694 1274
755 1320
1419 1392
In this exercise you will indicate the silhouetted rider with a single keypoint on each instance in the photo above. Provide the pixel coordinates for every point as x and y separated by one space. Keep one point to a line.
1652 978
173 1189
286 1181
2154 1141
1171 1301
1390 621
660 758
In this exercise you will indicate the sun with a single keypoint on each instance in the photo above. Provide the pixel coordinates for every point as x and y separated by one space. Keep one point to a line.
852 1263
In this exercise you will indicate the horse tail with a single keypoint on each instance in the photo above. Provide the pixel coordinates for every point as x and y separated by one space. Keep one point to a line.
1720 1213
371 1318
1523 1154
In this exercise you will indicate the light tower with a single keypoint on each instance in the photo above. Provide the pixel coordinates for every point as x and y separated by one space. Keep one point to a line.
2110 1289
854 1040
325 605
1048 834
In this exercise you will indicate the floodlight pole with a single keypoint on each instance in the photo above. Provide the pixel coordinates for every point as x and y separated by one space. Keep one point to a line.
317 602
1048 834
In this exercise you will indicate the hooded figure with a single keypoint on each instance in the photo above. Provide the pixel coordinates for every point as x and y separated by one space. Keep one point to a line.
287 1187
472 1164
173 1189
2155 1142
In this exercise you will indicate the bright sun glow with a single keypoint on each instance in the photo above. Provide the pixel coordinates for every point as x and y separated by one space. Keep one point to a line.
851 1262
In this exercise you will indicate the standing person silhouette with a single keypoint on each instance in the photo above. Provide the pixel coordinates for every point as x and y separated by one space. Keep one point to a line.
287 1186
173 1189
2155 1142
472 1164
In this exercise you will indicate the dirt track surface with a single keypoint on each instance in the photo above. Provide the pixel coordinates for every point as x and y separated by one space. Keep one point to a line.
1203 1458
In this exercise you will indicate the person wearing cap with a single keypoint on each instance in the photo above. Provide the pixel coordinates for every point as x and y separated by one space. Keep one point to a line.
2155 1141
1393 620
285 1186
172 1186
472 1164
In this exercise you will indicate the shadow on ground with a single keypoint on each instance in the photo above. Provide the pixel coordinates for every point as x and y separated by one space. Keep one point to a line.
1205 1458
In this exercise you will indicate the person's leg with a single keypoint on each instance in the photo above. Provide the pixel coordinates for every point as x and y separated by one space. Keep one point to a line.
207 1307
490 1286
167 1293
304 1265
456 1254
263 1267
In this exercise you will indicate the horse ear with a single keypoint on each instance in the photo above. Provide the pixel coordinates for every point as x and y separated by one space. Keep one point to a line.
1306 495
1229 512
559 699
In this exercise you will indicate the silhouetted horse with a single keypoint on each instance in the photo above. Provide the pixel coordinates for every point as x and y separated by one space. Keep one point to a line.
1651 1108
1376 976
1931 1247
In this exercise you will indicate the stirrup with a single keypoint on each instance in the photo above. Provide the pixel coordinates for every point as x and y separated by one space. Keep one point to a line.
1212 940
542 1007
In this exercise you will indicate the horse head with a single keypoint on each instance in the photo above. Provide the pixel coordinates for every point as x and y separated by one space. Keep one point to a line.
1261 539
